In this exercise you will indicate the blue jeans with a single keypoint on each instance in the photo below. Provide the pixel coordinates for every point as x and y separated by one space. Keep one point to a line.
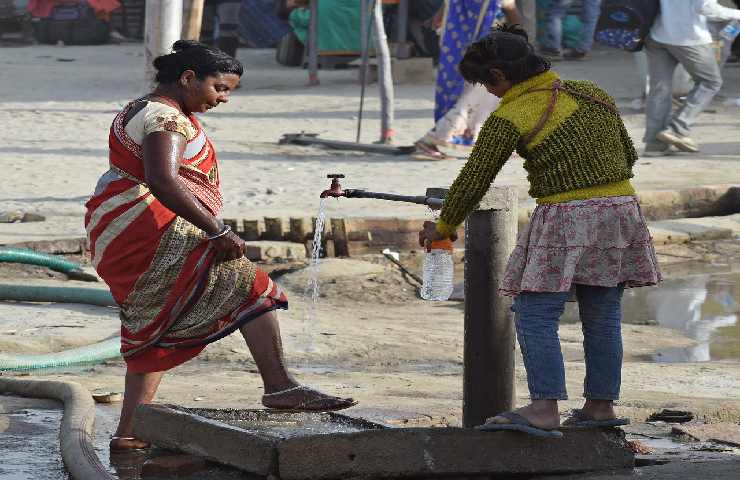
553 38
537 318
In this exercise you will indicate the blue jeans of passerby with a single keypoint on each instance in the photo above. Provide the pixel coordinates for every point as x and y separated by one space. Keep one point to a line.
537 316
662 59
554 27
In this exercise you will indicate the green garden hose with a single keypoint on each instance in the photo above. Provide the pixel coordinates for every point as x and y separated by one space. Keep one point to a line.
95 353
35 293
31 257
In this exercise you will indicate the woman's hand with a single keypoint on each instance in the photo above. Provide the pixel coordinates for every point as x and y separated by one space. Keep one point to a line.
430 234
229 246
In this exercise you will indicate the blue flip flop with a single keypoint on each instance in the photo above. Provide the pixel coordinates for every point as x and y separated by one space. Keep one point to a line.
578 419
518 424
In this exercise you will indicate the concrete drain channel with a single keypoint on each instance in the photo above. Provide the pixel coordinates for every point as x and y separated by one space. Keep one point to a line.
333 446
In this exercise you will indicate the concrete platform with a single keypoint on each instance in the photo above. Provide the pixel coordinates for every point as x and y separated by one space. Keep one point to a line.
333 446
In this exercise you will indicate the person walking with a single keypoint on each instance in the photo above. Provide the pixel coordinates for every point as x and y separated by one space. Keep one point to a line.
587 237
552 42
459 107
680 35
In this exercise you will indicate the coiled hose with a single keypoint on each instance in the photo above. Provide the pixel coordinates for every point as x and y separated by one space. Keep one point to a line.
21 255
98 352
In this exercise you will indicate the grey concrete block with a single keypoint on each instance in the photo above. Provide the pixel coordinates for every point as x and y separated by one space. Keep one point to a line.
171 428
449 451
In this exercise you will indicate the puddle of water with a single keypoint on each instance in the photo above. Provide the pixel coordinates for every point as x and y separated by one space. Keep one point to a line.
286 425
703 307
29 442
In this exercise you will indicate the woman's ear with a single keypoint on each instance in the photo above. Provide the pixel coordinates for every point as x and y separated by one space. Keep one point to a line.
187 77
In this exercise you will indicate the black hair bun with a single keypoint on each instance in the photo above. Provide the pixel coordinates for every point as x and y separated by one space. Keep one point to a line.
514 29
182 45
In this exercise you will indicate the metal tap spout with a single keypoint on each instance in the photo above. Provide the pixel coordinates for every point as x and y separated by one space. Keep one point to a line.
335 189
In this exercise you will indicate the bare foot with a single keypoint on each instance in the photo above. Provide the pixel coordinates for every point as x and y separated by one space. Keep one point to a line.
598 410
305 399
539 415
125 444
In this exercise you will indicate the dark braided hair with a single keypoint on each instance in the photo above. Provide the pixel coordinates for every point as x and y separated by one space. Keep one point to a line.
506 48
195 56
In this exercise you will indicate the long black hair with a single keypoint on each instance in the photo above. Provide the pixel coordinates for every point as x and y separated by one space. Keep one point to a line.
506 48
195 56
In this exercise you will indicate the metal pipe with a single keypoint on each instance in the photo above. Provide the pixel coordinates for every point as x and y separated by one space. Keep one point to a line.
417 199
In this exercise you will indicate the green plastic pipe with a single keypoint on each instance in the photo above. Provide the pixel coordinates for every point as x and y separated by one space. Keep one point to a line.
95 353
31 257
36 293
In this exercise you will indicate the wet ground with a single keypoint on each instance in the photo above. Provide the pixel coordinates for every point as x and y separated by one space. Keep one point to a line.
30 447
703 307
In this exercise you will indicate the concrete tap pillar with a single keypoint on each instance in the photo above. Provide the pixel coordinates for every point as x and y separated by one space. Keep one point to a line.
488 372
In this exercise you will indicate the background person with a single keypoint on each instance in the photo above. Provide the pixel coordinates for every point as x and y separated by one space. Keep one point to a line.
586 237
460 108
680 35
553 38
178 274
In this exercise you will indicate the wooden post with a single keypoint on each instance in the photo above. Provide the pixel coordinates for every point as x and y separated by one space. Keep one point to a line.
162 27
488 372
251 230
339 236
273 229
298 230
193 14
313 43
232 223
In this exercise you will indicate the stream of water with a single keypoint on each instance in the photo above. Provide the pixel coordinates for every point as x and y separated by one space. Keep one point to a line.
312 285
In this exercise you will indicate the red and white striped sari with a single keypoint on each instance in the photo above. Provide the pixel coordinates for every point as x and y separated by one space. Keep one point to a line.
175 297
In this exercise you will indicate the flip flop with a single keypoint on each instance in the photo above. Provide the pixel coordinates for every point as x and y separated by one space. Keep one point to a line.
128 449
305 406
578 419
425 151
518 424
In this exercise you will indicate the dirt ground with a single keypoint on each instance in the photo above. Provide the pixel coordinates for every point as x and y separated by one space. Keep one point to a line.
372 339
57 104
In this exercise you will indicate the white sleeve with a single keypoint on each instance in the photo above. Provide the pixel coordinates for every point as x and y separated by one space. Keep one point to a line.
508 3
714 11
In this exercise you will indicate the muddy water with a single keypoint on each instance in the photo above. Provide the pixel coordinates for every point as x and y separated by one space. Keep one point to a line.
704 307
29 445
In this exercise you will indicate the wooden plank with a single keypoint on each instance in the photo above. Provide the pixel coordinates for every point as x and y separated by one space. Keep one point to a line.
339 237
251 230
273 229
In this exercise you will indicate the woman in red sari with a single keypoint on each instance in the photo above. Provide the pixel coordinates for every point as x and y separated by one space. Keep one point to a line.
177 272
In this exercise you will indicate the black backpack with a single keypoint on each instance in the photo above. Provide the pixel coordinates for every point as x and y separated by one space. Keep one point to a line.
625 24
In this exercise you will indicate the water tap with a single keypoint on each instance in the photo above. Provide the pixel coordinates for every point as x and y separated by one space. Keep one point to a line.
335 189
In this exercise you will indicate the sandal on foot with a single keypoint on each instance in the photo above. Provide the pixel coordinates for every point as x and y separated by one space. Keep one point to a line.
426 151
309 405
518 424
578 419
139 444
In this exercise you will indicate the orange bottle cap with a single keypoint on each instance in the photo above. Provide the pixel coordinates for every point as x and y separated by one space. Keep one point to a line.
445 244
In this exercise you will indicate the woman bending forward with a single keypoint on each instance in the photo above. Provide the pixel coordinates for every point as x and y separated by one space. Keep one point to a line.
178 274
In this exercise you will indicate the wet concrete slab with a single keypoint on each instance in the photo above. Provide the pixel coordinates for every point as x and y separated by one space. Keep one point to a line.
333 446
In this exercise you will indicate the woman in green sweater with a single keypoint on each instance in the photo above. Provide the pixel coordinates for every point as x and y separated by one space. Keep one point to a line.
587 237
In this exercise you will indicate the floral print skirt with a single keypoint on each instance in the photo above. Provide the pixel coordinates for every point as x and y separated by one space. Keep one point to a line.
600 241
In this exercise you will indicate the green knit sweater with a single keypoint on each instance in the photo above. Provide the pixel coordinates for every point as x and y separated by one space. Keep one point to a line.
582 144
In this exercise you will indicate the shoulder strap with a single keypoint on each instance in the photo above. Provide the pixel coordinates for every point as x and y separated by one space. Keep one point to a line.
556 87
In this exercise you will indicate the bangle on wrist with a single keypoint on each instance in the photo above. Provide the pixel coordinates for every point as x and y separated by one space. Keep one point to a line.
224 230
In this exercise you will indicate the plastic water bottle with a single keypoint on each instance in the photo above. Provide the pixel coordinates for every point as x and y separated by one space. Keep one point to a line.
438 271
731 31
